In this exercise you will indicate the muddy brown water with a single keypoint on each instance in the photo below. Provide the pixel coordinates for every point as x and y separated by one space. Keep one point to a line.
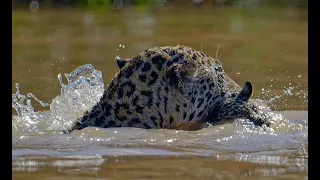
267 46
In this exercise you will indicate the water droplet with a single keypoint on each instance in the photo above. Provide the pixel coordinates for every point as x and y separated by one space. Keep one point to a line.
299 76
34 5
117 4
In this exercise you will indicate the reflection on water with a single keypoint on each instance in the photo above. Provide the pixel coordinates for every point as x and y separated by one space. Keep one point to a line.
259 45
164 167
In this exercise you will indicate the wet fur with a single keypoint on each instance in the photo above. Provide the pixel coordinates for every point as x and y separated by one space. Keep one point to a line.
170 87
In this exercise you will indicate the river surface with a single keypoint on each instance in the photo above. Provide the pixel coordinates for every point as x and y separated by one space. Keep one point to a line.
266 46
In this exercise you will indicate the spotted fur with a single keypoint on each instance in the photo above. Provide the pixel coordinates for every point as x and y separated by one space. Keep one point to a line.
173 88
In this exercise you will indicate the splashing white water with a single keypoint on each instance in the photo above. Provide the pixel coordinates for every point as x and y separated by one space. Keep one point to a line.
83 89
297 91
41 130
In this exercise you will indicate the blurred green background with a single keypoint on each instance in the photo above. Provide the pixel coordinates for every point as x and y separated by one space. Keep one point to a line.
99 3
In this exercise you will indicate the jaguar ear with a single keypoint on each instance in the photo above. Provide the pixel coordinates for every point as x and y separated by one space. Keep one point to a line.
246 92
121 62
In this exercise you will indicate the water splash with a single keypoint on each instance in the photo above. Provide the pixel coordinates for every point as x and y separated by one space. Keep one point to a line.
83 89
294 90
